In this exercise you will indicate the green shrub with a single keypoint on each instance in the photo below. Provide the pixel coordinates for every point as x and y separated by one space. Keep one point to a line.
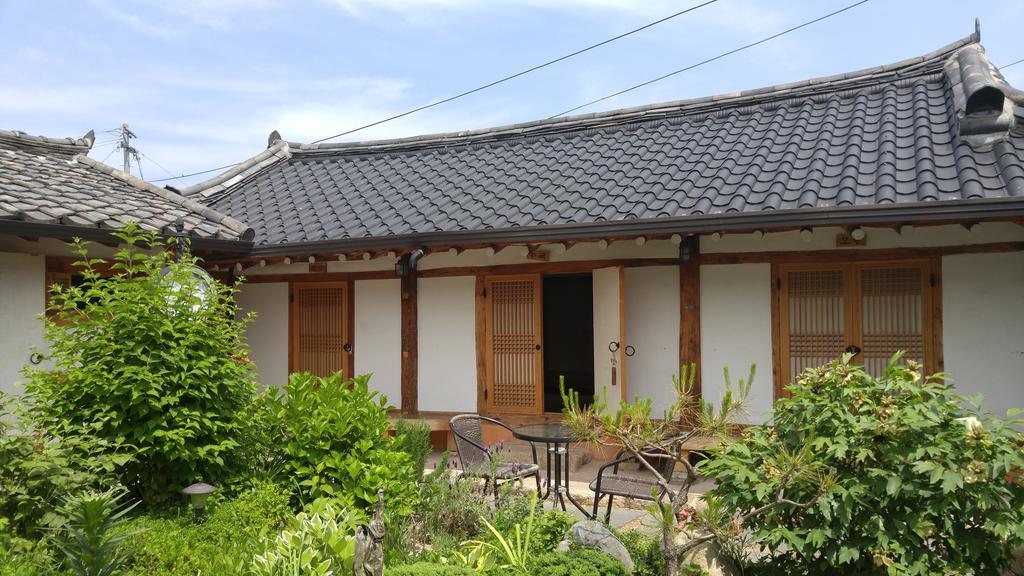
87 541
902 479
449 509
333 436
37 471
23 557
320 543
430 569
577 562
230 534
145 357
648 559
549 526
413 438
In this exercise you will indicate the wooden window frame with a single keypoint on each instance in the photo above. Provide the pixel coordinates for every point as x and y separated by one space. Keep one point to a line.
931 307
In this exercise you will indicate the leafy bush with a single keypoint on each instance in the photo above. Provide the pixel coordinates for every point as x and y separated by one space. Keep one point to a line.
23 557
333 434
900 478
648 559
147 358
320 543
37 471
222 545
87 541
577 562
430 569
549 526
413 438
449 508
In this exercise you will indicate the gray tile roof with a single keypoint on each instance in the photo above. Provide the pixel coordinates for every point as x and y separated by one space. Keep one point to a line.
936 129
50 181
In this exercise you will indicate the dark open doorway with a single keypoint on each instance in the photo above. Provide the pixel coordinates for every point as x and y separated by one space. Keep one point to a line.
568 338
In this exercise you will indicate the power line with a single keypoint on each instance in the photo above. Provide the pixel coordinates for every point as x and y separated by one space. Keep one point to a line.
518 74
1011 64
713 58
217 169
159 165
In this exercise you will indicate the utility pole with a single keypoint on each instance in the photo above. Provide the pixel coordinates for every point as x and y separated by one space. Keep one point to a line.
128 150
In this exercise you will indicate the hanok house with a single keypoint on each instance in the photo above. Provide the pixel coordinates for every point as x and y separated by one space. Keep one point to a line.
869 212
50 192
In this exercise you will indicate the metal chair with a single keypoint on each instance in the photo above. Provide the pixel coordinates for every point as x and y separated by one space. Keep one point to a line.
475 458
614 484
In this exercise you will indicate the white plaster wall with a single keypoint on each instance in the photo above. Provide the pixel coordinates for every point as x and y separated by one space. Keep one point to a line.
22 301
268 333
652 328
447 344
378 337
983 326
735 331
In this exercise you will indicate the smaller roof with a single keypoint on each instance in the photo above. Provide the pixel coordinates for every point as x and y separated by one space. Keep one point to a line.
50 182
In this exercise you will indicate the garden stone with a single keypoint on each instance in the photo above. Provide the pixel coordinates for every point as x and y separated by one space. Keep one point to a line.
592 534
708 556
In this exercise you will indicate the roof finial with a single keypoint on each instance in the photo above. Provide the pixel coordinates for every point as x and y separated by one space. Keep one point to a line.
89 138
274 138
977 30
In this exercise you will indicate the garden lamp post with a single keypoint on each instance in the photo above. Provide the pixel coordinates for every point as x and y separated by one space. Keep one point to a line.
197 494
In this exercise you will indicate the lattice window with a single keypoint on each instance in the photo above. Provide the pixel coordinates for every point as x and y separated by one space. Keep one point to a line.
320 330
891 315
817 331
515 357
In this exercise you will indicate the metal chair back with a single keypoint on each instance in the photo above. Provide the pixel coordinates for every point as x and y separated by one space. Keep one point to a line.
469 440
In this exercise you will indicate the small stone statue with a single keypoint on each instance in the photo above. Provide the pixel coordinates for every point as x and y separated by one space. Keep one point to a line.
369 553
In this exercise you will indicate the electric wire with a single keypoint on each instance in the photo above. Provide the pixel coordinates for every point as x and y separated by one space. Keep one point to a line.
713 58
518 74
1011 64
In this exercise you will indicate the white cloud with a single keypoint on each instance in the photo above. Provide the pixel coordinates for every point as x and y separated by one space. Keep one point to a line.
170 20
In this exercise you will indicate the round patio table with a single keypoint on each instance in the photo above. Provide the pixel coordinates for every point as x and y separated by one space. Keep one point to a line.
557 438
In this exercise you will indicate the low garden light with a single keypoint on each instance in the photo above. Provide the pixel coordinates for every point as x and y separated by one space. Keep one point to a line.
197 494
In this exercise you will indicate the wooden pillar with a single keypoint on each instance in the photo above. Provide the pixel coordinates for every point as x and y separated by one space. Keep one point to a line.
410 387
689 306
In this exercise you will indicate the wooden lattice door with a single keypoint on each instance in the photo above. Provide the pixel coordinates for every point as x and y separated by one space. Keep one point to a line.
814 315
514 334
870 309
321 338
894 304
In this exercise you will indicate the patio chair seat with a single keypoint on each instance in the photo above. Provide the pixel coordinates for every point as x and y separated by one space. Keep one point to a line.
506 471
626 486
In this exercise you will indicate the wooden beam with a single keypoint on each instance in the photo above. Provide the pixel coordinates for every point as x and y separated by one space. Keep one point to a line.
856 254
320 277
689 307
410 389
938 354
566 267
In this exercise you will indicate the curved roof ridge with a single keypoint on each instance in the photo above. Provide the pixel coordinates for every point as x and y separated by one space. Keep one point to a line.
244 231
215 188
787 91
63 147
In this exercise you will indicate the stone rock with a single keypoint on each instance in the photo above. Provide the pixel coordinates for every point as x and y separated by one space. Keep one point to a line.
1016 568
593 534
708 556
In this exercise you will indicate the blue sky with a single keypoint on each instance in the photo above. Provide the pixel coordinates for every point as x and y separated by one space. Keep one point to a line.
204 83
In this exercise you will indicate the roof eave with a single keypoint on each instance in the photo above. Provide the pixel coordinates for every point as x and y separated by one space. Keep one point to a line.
920 212
95 234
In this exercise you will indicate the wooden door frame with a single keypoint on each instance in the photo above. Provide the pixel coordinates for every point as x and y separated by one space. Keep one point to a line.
484 304
348 361
931 306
